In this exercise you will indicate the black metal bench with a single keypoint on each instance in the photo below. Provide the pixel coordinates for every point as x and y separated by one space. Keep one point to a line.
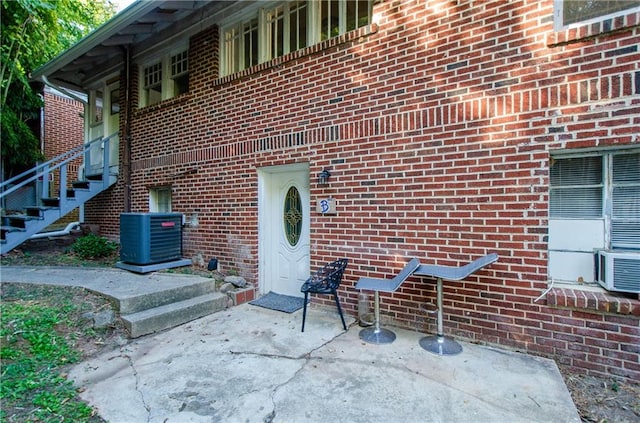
439 344
325 281
375 334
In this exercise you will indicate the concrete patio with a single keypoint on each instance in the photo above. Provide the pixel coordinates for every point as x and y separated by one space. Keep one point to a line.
249 364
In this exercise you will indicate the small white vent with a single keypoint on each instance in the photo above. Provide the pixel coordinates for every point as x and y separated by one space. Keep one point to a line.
619 270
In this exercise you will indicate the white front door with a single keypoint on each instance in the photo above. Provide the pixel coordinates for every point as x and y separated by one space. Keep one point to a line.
284 246
112 123
93 164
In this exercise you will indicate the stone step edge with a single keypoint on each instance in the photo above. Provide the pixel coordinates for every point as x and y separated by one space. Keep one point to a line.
172 315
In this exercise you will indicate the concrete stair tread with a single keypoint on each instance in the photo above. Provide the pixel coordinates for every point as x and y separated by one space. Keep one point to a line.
11 228
50 210
130 300
170 315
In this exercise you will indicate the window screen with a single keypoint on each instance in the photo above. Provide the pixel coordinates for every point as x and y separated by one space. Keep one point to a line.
625 201
576 188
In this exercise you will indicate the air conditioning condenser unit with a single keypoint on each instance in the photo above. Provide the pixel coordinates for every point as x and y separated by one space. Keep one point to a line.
619 270
148 238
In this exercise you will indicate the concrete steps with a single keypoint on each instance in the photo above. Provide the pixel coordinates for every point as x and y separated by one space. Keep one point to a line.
146 303
174 314
150 312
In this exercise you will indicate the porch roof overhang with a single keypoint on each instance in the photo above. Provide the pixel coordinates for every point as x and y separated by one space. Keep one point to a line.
140 27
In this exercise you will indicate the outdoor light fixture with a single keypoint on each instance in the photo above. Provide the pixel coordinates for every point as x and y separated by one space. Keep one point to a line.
213 264
323 177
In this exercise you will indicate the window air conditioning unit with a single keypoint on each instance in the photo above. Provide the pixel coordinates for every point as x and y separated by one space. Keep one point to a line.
619 271
149 238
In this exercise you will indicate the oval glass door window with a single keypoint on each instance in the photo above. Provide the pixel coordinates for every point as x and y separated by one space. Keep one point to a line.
292 216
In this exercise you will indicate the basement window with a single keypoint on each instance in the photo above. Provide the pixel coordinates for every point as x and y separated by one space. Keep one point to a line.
160 199
594 204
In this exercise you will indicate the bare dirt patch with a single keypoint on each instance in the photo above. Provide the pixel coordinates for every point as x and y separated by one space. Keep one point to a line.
603 399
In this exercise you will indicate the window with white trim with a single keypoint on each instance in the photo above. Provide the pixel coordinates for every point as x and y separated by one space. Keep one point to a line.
97 105
568 13
180 72
164 78
265 33
152 84
594 204
240 46
160 200
286 29
338 17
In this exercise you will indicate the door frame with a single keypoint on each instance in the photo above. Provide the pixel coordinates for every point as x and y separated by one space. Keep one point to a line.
266 237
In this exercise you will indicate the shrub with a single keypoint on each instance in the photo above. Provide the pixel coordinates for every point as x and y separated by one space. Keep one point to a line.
93 246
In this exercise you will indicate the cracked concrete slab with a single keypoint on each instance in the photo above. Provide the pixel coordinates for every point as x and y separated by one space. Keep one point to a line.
249 364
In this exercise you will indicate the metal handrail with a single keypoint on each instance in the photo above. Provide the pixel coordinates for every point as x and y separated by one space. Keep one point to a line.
46 168
42 165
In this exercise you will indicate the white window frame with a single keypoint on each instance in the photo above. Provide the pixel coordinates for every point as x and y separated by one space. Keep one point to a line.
167 83
182 65
96 106
158 203
573 241
558 16
146 87
237 23
238 45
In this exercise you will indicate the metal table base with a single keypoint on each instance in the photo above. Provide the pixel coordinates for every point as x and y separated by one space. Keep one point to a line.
375 334
439 344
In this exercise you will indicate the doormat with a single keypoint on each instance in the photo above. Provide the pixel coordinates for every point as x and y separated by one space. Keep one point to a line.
279 302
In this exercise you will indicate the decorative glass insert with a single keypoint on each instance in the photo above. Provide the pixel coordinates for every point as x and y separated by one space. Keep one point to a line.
293 216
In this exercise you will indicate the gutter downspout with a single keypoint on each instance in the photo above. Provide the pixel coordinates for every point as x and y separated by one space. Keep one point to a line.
126 133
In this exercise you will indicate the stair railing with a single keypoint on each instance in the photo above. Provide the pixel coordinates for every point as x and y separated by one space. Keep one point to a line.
43 170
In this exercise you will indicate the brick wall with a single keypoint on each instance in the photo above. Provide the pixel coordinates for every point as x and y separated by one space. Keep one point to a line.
63 131
436 123
63 127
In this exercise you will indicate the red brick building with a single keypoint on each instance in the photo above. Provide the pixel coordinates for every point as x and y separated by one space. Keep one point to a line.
62 130
450 130
63 124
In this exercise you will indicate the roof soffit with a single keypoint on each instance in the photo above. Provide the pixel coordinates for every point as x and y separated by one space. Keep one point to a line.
144 26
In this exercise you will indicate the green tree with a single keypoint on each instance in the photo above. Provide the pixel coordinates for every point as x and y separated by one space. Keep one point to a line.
33 32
